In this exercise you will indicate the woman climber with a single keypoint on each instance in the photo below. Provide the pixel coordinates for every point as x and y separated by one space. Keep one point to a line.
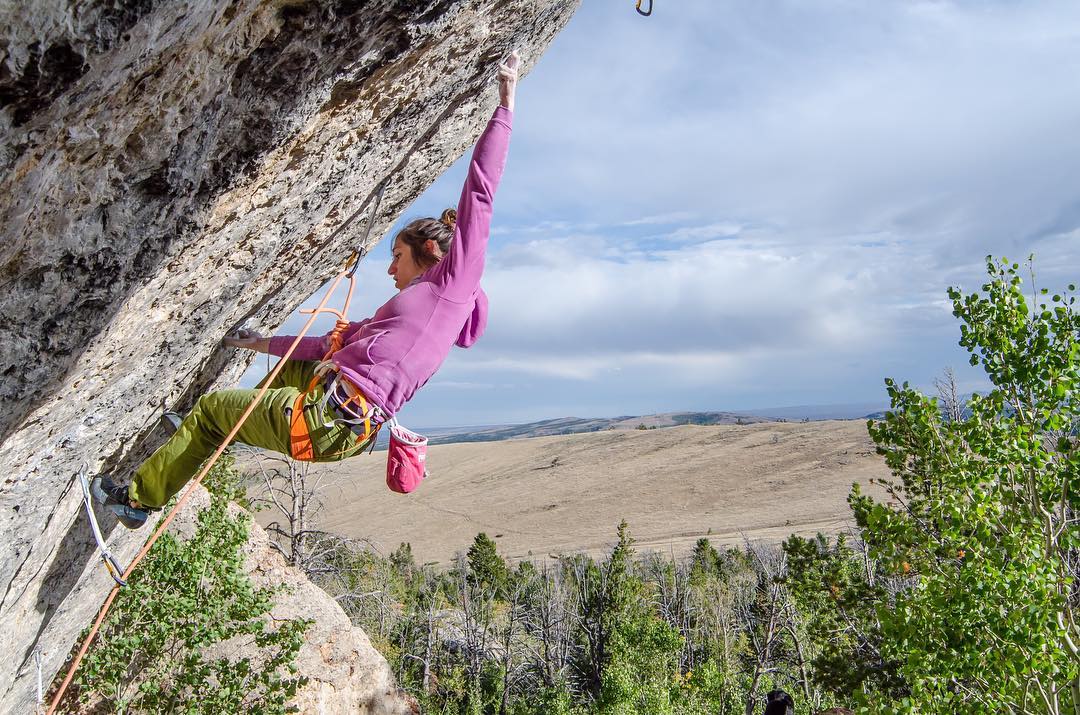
383 361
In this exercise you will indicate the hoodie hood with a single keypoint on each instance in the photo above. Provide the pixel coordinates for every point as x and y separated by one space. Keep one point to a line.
476 322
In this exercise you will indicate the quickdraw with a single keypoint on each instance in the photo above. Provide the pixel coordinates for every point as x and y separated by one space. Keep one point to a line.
646 13
111 564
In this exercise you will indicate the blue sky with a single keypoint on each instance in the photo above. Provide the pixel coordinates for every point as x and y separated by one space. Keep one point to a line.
733 205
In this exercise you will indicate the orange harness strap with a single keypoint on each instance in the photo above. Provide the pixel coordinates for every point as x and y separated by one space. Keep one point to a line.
300 446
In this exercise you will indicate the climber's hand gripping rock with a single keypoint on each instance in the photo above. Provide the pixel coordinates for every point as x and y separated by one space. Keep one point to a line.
244 338
508 77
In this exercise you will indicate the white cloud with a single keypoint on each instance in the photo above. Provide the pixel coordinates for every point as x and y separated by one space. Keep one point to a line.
660 219
725 297
581 367
688 234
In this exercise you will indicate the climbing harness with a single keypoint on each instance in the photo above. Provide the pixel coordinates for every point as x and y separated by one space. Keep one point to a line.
348 271
644 12
111 564
300 445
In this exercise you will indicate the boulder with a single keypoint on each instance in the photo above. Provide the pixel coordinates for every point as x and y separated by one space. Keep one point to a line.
345 673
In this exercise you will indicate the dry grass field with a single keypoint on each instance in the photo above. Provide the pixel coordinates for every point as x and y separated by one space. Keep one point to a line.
550 495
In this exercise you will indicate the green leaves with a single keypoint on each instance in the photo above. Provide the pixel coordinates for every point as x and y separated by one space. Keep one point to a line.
186 598
976 532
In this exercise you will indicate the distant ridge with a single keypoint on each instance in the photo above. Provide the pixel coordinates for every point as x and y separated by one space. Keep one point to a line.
575 425
850 411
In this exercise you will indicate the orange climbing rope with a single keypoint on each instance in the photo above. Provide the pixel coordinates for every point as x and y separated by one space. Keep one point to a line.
336 342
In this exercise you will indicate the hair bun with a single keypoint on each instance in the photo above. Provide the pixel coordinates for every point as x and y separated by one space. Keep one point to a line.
449 217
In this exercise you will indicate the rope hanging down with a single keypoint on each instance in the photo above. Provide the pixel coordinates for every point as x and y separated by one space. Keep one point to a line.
348 271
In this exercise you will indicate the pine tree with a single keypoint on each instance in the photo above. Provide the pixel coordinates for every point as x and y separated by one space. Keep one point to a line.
486 568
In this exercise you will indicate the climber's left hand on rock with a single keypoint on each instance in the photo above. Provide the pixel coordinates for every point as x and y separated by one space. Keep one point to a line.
244 338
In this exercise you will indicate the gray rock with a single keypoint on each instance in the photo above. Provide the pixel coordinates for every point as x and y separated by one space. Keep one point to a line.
169 171
345 673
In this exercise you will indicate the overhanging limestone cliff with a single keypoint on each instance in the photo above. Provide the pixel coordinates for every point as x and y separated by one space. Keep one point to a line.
167 171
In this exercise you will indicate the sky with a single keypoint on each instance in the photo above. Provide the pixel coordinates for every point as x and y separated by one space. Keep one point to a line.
745 205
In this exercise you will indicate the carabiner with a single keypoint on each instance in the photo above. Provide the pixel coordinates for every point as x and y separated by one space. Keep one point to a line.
643 12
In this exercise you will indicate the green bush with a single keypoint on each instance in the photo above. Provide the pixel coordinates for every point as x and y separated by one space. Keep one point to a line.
186 597
981 526
642 674
837 592
228 482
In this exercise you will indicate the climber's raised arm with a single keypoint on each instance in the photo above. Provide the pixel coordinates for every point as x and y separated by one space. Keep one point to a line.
457 275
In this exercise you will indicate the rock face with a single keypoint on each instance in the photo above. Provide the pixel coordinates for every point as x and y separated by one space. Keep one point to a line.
346 674
169 171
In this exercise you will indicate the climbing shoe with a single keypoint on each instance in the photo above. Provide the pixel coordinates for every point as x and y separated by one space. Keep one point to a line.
114 497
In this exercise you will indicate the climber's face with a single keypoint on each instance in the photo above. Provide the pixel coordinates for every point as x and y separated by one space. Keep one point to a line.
403 265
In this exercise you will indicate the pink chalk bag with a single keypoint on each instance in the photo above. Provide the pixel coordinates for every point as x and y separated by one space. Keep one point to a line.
406 459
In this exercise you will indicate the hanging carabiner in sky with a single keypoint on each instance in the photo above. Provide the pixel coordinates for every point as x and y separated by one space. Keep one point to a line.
646 13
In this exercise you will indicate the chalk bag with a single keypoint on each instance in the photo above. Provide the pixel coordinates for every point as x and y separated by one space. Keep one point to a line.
406 460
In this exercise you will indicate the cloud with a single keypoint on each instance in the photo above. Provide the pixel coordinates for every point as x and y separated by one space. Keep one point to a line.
697 234
576 367
938 120
717 298
660 219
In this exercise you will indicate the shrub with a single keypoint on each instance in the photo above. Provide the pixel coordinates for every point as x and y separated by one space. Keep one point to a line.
982 518
185 598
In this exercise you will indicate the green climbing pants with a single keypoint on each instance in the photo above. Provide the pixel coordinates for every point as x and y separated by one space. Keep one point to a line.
174 464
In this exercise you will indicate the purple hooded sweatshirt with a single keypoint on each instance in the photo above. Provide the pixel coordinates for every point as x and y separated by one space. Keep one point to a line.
393 353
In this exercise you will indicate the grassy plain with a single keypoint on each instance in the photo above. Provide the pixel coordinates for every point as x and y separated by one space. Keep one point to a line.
562 494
